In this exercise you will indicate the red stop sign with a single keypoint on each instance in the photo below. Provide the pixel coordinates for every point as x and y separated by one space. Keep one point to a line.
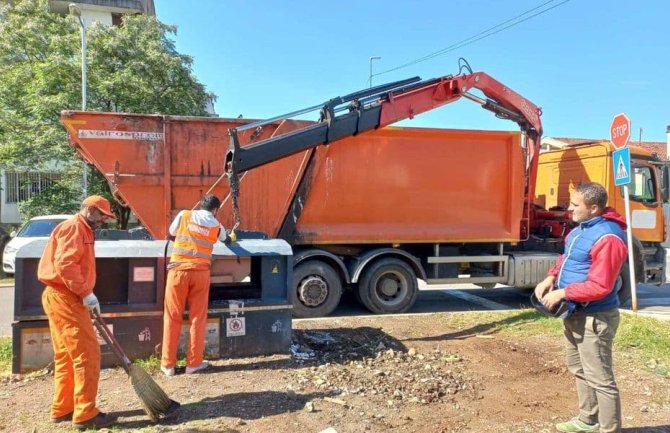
620 130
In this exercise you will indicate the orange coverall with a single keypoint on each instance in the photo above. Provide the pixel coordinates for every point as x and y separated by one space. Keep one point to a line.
188 281
67 267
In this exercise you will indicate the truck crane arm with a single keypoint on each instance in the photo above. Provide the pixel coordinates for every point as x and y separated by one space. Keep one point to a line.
380 106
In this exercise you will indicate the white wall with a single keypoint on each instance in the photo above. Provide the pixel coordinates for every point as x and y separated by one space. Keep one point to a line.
91 16
9 212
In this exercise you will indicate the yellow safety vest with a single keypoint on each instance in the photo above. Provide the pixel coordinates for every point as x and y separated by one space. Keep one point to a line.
193 243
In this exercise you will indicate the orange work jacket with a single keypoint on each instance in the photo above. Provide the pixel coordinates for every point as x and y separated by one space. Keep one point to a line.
193 243
68 261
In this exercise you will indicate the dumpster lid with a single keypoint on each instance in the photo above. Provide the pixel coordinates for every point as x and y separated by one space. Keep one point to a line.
142 248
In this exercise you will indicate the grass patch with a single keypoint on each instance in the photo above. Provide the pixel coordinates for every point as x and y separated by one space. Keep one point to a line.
7 280
151 363
531 323
646 338
523 323
5 355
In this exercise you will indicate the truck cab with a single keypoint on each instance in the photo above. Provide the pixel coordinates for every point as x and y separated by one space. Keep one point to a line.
559 171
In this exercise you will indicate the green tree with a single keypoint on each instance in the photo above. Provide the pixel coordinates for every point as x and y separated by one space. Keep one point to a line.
132 68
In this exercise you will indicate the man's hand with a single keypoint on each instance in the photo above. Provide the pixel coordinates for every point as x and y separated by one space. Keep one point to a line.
544 286
91 302
553 298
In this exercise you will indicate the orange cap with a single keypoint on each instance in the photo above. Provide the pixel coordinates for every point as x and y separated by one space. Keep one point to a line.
100 203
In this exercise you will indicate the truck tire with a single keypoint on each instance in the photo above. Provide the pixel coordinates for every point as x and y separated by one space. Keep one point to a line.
317 289
388 286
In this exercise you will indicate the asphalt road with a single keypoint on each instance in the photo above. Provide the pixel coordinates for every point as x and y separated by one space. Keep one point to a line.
652 300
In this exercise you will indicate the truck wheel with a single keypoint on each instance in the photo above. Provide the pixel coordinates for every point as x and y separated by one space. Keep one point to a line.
388 286
318 289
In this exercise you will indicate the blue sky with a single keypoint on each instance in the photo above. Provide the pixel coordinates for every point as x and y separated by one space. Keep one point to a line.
582 61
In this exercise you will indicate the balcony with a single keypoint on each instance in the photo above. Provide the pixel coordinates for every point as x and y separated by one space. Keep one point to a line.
114 6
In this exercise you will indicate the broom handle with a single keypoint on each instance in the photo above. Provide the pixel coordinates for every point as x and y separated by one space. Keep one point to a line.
110 340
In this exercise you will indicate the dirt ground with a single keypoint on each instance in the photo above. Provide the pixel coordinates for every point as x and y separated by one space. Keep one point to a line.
380 374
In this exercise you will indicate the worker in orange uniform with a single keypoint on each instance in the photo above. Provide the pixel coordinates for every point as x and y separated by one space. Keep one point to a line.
195 233
67 268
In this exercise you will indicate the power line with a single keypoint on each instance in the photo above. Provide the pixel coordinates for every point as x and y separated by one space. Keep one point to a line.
489 32
481 35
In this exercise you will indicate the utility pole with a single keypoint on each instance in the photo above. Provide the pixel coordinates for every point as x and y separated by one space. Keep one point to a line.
76 12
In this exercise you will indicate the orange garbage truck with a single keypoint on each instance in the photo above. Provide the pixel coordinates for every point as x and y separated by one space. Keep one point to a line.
365 206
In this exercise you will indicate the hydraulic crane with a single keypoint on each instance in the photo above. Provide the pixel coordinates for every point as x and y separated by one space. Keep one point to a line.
369 109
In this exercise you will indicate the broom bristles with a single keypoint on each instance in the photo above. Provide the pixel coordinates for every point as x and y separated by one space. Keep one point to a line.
154 400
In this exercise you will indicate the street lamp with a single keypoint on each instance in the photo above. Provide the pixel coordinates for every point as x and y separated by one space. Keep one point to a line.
76 12
371 59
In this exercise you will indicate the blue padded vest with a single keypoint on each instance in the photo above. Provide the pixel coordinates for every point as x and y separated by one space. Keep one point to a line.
577 261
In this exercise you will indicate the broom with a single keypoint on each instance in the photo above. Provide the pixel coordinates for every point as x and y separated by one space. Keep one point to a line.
154 400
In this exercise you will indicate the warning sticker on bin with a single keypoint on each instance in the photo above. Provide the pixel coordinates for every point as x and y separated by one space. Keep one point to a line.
235 327
144 274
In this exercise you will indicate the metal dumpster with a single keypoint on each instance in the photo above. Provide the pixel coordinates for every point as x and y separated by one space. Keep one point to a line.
249 305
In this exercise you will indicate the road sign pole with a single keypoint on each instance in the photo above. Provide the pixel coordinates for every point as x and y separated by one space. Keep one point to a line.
631 263
620 134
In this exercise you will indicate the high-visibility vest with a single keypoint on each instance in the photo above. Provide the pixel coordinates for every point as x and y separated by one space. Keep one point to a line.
193 242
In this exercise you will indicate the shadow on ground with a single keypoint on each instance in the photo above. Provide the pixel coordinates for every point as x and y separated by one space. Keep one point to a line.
524 317
316 347
242 405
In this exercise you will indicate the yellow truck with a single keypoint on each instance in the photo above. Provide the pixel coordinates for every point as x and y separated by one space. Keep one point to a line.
559 171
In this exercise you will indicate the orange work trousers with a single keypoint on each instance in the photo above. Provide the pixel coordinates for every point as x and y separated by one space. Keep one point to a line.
182 286
76 355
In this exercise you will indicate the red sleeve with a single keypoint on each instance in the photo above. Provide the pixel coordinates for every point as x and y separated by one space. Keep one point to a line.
607 257
553 272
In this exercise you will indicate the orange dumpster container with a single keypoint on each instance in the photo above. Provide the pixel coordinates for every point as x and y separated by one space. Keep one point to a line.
392 185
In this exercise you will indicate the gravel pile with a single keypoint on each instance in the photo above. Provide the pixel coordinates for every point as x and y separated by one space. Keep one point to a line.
372 364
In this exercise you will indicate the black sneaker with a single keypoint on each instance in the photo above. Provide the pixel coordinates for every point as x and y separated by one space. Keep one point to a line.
62 418
98 421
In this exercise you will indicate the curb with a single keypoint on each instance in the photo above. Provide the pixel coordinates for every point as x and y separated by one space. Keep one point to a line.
660 315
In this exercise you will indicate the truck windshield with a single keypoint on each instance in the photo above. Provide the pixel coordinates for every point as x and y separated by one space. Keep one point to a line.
642 186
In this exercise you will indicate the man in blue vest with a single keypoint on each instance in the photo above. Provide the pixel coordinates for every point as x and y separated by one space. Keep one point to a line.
585 274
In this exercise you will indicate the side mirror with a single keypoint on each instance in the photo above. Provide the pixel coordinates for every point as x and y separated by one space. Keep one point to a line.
12 234
665 183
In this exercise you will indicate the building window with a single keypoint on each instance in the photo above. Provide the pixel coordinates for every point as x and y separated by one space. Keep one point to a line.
21 186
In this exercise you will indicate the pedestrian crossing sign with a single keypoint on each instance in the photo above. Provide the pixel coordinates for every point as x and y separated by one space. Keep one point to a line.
621 163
